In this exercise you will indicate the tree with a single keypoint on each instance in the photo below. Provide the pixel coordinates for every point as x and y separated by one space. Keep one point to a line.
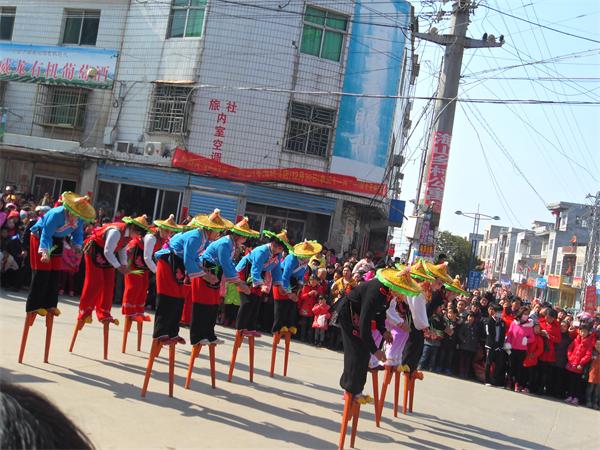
457 250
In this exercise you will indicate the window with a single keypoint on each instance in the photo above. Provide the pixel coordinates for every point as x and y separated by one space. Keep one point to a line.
275 219
323 34
52 186
169 111
81 27
558 268
7 22
309 129
60 107
187 18
551 244
579 270
116 199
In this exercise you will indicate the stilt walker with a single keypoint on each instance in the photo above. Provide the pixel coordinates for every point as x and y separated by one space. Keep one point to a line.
364 304
285 298
178 261
252 269
141 259
216 259
105 252
46 242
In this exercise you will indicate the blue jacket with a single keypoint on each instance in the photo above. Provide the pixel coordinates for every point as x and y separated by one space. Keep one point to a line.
189 246
293 267
220 252
54 225
261 260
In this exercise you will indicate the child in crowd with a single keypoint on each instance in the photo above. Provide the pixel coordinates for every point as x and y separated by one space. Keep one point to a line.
433 340
447 351
321 320
592 394
520 333
468 340
559 387
535 348
579 354
306 301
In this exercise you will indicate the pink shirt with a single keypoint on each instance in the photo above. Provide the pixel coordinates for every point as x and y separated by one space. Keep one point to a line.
519 335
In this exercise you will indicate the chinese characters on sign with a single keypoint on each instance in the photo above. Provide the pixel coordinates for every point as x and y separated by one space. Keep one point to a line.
223 111
436 177
77 66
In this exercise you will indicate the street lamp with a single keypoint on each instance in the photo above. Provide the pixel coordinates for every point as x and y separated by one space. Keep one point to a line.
477 217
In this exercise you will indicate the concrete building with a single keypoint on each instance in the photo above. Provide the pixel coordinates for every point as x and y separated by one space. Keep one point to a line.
212 104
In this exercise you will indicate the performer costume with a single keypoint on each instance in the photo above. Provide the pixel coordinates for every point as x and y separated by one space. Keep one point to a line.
46 240
293 269
252 269
396 316
105 251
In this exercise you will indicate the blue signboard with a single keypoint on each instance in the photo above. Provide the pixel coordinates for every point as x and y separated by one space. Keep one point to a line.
474 280
397 212
541 283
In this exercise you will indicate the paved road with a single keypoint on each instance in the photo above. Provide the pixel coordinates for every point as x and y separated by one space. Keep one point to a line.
300 411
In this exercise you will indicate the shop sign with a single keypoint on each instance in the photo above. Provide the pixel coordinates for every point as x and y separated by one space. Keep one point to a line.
541 283
554 281
73 66
577 282
531 282
589 304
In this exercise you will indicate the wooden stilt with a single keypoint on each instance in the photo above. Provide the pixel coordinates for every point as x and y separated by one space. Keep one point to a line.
286 356
49 324
126 330
396 392
239 337
386 382
251 357
276 337
375 377
406 389
105 325
193 355
347 413
154 352
171 367
29 319
355 414
78 326
140 327
213 372
411 394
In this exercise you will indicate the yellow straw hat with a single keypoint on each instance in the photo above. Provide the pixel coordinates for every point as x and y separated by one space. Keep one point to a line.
439 271
456 286
243 229
212 221
281 237
307 249
399 281
417 270
169 224
79 205
140 221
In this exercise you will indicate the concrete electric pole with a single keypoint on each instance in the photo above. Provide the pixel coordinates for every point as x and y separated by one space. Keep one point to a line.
433 177
592 256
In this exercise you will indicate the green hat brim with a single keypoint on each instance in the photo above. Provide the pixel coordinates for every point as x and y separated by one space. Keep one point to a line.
75 213
132 221
245 234
394 287
455 289
167 227
272 235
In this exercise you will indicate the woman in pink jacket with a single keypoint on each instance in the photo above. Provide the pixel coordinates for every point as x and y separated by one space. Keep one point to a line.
518 336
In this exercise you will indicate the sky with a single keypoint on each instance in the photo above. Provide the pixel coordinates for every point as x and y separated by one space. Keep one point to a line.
536 154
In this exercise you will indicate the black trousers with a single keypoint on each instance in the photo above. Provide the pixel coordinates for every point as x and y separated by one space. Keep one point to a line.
518 373
247 318
283 314
560 382
413 349
356 356
575 385
167 317
547 375
497 358
204 318
43 292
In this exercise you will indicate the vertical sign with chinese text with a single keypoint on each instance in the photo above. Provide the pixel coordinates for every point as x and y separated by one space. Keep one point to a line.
436 177
223 110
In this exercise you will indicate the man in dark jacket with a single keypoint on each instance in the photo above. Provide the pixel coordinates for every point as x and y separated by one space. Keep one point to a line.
494 330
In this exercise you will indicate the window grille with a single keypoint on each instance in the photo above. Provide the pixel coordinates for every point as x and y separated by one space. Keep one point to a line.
60 107
309 129
169 110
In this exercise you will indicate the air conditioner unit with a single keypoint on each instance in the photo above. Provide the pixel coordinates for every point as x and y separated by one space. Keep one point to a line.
153 148
124 147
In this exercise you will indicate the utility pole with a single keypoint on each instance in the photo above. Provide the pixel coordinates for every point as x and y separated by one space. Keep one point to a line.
433 177
592 255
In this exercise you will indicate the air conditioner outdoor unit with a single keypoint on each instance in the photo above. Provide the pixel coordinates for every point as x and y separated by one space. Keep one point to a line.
124 147
153 148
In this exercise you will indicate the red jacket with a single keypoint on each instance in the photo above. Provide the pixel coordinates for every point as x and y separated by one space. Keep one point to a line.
321 310
534 351
554 337
580 352
306 300
507 317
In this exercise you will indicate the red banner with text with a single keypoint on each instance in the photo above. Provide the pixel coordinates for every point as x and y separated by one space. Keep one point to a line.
436 176
202 165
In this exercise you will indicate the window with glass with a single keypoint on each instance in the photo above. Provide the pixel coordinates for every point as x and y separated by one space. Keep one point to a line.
7 22
118 199
169 109
323 34
81 27
309 129
49 185
187 18
262 217
61 107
